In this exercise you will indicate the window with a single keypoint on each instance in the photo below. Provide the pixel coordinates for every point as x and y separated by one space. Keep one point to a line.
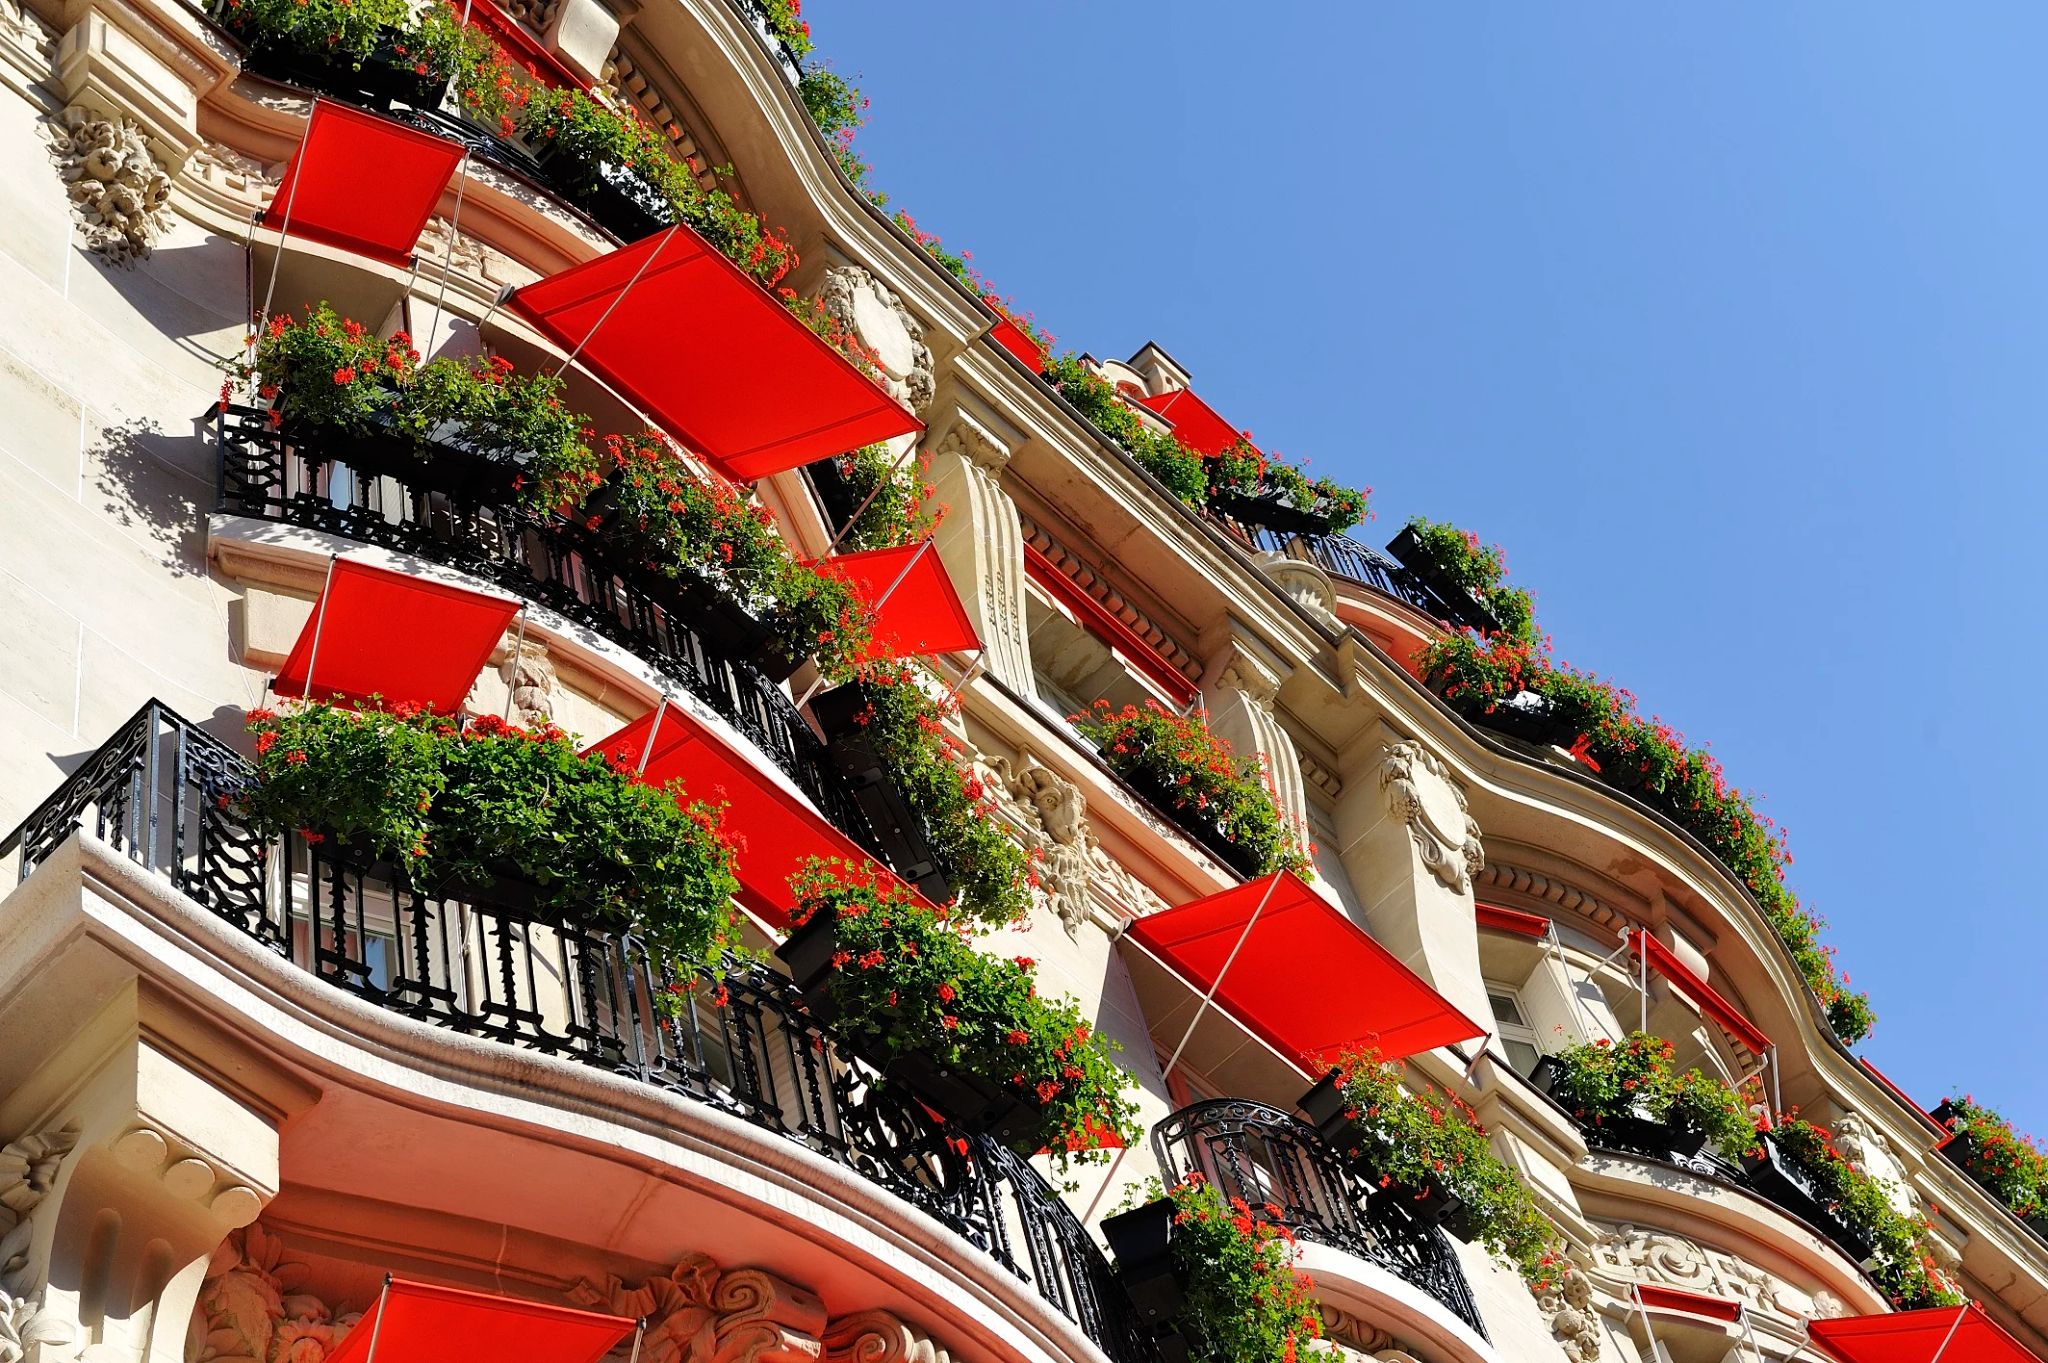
1517 1037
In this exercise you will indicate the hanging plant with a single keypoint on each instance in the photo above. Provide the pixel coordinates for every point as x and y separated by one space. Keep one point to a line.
1610 1086
906 985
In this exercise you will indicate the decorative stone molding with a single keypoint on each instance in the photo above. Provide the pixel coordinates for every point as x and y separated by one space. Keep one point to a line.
1321 777
117 188
1553 891
982 543
977 444
253 1309
1067 849
879 1337
227 178
531 678
1305 584
1085 577
1863 1145
1566 1301
1639 1254
634 75
868 308
28 1170
1250 678
147 1150
1420 791
701 1313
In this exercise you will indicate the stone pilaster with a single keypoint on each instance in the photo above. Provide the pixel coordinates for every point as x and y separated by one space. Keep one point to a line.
982 544
1240 693
1411 849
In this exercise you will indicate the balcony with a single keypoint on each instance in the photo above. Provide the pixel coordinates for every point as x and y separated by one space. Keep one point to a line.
1357 562
435 515
740 1040
1286 1173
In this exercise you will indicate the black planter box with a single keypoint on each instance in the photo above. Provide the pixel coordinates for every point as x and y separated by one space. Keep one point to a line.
1535 724
1158 793
808 952
1273 511
1786 1184
501 885
1325 1106
968 1100
1141 1242
1545 1074
835 491
385 77
1641 1135
613 196
1462 1220
1429 1204
726 626
1465 608
898 829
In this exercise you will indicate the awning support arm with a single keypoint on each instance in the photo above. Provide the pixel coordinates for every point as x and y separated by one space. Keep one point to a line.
377 1325
447 260
1962 1314
653 732
319 622
1571 988
612 306
873 492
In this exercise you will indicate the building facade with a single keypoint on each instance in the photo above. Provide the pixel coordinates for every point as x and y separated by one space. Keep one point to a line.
239 1086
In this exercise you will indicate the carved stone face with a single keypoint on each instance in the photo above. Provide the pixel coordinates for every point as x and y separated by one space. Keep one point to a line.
872 312
1062 815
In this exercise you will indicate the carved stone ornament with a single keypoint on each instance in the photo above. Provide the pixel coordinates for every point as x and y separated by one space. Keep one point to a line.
28 1170
118 190
870 310
1421 792
531 678
701 1313
1639 1254
1866 1147
253 1309
879 1337
1307 585
1566 1301
1066 867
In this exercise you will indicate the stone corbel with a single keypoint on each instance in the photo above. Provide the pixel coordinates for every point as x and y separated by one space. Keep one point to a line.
981 541
151 65
879 1337
1242 692
701 1313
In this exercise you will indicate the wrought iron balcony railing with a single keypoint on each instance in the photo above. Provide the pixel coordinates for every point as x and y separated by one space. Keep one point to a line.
1289 1176
162 790
1354 561
264 473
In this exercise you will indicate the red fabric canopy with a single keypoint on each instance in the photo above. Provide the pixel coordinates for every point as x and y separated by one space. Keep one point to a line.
1099 621
1710 1002
1917 1336
362 183
917 612
1012 338
409 640
1692 1303
1513 920
1307 980
418 1323
1195 423
773 831
711 356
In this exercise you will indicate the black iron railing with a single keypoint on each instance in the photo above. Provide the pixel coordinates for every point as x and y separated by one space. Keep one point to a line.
1289 1176
163 791
1354 561
264 473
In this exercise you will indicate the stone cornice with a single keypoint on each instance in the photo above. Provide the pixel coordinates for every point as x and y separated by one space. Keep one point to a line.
1084 576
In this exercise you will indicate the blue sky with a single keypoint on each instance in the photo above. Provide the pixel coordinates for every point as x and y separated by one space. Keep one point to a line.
1727 322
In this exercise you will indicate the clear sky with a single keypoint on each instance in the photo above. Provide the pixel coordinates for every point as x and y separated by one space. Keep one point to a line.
1727 321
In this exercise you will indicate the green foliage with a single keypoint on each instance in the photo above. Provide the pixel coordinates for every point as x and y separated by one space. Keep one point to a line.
1245 1301
440 45
1602 1081
458 806
1903 1264
331 371
785 19
1416 1139
897 506
345 31
1653 761
1481 570
2008 1165
1203 779
684 523
907 727
908 979
487 407
1178 468
839 109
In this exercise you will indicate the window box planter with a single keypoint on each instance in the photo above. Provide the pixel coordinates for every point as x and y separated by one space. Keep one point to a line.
1642 1136
808 952
1011 337
1274 510
1786 1184
967 1099
1545 1074
614 196
1157 792
898 828
1141 1241
385 78
1428 1204
1532 723
1325 1106
835 493
1408 547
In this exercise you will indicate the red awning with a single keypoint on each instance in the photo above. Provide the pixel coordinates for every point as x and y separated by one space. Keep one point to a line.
1195 423
409 640
1513 920
362 183
1678 973
1099 621
711 356
917 612
1307 980
419 1323
773 831
1691 1303
1969 1335
1012 338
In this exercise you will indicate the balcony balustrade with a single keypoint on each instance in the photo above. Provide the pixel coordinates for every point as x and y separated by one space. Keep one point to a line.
1344 557
1290 1177
736 1036
265 473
